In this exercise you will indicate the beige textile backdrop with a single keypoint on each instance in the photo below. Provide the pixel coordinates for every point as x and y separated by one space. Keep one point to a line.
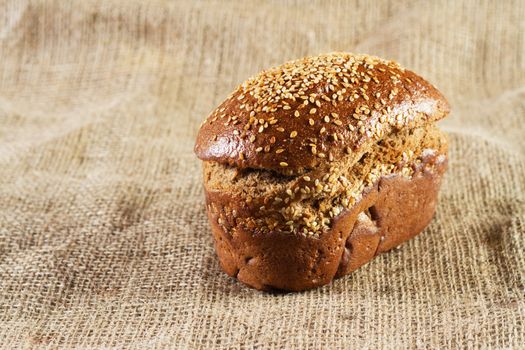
103 237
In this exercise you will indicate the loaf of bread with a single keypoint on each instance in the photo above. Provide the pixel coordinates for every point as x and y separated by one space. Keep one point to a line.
314 167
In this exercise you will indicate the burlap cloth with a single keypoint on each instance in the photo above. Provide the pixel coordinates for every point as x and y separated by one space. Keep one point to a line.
104 241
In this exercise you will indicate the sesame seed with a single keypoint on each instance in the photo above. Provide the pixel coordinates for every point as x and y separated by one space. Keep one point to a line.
252 138
258 149
318 103
306 178
286 107
326 119
313 110
266 149
280 129
283 164
338 122
280 150
296 114
272 139
235 132
311 121
293 134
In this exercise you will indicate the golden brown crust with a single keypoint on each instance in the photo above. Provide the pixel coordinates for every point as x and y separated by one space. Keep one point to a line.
312 111
399 209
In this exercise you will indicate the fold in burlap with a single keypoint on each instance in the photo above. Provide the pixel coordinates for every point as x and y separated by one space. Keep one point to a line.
103 236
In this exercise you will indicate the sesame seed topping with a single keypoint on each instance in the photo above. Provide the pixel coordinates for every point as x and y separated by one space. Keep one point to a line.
283 164
282 92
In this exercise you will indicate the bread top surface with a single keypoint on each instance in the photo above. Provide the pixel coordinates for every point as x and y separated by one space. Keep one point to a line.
315 110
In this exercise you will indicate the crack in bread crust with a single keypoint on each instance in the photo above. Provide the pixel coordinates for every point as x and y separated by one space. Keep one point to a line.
307 204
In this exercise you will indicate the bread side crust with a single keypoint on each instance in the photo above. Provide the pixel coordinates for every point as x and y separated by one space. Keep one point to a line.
391 211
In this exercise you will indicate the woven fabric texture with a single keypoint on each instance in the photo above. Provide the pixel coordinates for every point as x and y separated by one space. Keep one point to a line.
104 241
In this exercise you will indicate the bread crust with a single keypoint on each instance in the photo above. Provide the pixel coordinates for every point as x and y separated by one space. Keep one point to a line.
390 212
341 114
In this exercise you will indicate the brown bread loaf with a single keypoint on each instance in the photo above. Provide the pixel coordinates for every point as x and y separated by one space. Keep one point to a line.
314 167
